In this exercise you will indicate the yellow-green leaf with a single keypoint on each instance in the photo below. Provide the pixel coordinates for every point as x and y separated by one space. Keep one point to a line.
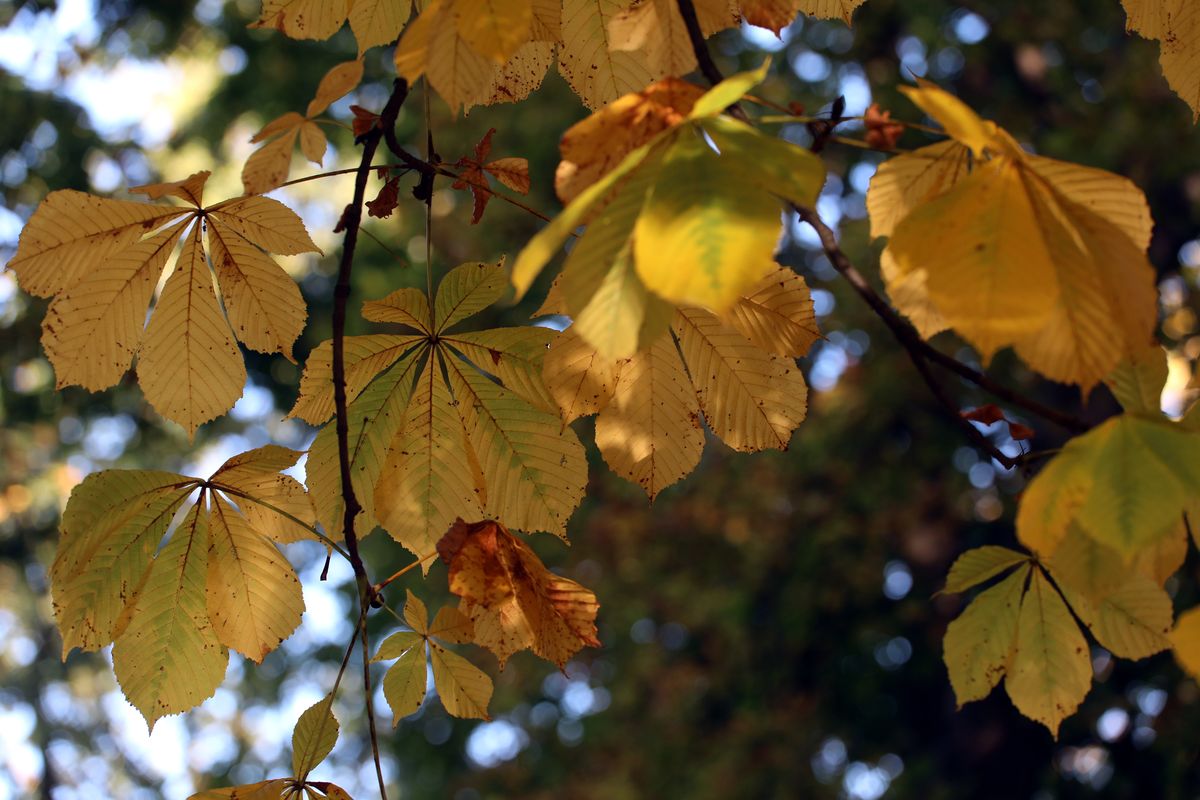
404 683
315 735
169 659
1051 670
979 644
980 564
464 688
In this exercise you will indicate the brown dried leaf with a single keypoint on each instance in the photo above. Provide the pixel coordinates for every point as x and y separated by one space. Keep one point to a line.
510 596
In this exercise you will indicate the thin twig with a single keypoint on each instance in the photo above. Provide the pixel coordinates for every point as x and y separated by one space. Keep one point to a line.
351 222
370 705
922 353
708 67
379 587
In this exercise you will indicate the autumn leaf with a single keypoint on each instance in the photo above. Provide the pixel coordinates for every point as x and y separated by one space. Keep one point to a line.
1125 483
1019 631
218 582
1037 254
675 222
514 602
479 51
464 688
444 423
267 167
1176 26
736 373
313 738
512 172
374 22
100 260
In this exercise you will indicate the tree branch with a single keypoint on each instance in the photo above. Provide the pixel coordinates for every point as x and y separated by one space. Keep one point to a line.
708 68
920 352
351 220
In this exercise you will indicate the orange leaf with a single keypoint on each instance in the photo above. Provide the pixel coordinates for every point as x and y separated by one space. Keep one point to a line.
513 600
512 172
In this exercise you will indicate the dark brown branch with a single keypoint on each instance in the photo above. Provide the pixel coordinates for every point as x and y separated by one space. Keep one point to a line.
350 222
708 68
923 354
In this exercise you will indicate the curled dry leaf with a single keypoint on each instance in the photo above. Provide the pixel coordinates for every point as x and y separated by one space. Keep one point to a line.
514 602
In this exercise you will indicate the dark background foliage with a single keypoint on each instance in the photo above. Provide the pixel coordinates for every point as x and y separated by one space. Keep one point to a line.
770 625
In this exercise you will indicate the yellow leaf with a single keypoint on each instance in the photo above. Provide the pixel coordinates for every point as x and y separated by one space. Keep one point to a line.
378 22
375 417
979 644
464 688
459 441
494 28
704 236
267 167
513 600
980 564
519 77
777 314
656 31
650 431
113 522
728 92
168 659
364 357
425 481
313 738
190 190
831 9
534 470
960 122
416 615
93 328
512 172
71 234
404 307
514 356
1132 620
751 399
577 376
1185 641
218 579
596 144
276 505
587 59
434 45
452 625
905 182
276 789
254 598
189 365
1050 672
263 303
304 19
338 82
1176 25
1138 381
404 683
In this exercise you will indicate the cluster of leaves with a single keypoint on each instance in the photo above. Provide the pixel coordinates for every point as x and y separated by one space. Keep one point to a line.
679 318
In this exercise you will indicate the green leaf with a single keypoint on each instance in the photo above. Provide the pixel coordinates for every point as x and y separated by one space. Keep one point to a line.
1051 671
980 564
315 735
979 644
729 91
1138 382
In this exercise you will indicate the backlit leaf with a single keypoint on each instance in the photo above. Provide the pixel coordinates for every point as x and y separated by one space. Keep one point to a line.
513 600
979 644
315 735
